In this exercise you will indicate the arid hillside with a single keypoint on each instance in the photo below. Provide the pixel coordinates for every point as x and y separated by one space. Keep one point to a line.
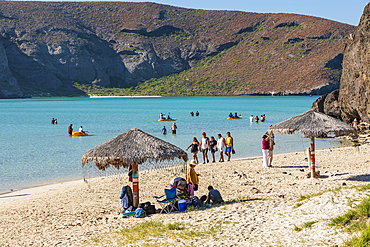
69 49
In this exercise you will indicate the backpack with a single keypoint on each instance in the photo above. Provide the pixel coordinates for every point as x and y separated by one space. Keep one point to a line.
126 197
196 202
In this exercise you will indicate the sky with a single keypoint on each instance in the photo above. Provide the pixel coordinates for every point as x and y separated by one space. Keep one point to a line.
345 11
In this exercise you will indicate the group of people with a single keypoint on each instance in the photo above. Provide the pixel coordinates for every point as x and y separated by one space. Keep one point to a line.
161 116
196 114
223 145
235 115
70 129
188 186
256 118
173 129
54 121
268 144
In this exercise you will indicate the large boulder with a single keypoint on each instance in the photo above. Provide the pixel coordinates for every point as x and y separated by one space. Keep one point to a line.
328 104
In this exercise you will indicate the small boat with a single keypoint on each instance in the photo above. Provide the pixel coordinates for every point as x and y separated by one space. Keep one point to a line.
172 119
234 117
80 133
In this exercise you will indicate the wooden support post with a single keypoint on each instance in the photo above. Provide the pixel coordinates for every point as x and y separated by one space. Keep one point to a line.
135 184
309 157
312 157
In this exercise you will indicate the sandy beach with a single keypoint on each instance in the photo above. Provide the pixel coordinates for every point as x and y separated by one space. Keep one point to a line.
264 211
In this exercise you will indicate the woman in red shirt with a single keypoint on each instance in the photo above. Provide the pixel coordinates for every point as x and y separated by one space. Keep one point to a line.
265 149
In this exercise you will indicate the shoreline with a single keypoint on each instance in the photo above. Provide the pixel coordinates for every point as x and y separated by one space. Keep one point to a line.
45 187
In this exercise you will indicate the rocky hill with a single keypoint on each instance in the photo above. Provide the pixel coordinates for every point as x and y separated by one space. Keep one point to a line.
69 49
352 99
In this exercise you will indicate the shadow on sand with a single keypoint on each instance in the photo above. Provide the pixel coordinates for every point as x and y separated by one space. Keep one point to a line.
361 178
14 196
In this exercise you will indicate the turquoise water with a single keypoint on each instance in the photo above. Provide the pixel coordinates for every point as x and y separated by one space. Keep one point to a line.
34 152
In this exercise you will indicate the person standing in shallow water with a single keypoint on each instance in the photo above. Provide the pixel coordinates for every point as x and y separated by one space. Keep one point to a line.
174 128
265 149
164 131
70 129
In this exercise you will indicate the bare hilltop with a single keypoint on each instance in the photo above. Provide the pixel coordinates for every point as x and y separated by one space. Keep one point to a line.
120 48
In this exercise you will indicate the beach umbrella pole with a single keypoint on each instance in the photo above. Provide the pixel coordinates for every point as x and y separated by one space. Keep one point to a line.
135 184
312 156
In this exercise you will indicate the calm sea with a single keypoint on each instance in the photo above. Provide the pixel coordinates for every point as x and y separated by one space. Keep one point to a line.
34 152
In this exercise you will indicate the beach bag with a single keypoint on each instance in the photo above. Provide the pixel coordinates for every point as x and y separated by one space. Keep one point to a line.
126 197
233 151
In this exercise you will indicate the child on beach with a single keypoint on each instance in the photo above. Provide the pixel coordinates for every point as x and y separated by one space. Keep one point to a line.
194 149
213 146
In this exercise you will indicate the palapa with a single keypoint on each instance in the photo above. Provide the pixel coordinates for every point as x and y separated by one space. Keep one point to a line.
312 124
133 146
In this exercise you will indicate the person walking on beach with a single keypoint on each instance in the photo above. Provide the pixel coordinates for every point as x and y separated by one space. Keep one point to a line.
164 131
221 147
204 146
213 148
173 129
194 149
70 129
271 150
192 176
265 149
229 141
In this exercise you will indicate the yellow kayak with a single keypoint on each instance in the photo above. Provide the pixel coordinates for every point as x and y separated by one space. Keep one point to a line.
80 133
234 117
173 119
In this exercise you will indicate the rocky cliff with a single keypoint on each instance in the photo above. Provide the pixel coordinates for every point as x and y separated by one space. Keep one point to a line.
69 49
353 99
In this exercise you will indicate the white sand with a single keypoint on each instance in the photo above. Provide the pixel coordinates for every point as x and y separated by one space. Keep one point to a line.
71 213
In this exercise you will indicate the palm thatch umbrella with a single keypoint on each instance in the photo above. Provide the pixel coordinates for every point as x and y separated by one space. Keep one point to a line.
132 147
312 124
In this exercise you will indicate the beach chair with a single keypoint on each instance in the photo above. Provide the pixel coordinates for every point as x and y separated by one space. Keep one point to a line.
168 204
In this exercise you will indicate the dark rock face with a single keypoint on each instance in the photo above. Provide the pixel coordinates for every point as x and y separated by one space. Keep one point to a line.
328 104
355 82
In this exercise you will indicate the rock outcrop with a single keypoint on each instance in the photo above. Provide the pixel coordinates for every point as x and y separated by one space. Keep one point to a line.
354 95
353 98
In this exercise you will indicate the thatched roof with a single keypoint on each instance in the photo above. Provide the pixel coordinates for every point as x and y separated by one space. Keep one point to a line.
132 146
312 124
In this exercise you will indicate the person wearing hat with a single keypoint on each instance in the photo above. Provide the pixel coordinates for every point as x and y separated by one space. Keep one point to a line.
192 176
204 146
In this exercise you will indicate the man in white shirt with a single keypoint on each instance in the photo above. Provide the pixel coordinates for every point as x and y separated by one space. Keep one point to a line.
81 130
221 147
